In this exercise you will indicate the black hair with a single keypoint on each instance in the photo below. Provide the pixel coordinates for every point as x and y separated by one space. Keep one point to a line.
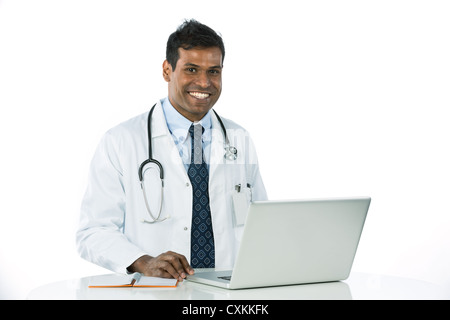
189 35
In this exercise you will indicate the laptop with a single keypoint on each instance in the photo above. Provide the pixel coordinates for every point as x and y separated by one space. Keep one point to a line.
294 242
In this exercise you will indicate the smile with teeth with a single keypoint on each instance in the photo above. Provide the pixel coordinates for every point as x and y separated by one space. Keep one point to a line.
199 95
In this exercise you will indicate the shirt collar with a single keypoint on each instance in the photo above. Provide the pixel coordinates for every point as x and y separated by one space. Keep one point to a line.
179 126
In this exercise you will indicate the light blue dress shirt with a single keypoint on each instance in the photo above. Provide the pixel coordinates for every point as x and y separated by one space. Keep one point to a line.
179 129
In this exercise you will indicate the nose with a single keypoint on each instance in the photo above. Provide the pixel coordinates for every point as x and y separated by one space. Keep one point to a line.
203 80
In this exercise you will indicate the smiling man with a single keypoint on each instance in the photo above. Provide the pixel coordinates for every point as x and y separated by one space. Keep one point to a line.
195 86
163 186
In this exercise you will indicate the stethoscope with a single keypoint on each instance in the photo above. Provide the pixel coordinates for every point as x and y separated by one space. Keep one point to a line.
230 154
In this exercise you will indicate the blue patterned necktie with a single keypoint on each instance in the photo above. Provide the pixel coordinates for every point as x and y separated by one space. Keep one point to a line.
202 237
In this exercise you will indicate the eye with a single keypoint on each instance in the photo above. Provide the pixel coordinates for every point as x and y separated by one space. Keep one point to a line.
191 69
214 71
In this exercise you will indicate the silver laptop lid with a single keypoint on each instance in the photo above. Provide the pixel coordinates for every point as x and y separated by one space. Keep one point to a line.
299 241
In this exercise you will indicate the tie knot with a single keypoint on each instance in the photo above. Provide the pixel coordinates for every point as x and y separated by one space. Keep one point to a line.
196 130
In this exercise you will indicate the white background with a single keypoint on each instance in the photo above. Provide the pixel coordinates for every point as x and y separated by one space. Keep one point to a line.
342 98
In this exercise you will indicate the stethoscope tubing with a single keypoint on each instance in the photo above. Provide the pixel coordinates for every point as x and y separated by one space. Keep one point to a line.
231 154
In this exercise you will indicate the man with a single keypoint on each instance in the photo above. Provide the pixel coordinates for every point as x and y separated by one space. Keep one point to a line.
190 220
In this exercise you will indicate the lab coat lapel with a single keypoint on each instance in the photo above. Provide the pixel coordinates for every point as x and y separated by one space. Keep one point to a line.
159 125
217 150
167 146
219 184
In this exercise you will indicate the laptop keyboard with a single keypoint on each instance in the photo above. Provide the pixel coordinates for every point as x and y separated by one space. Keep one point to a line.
228 278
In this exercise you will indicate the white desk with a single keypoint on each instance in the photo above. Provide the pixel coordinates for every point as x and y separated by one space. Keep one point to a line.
358 286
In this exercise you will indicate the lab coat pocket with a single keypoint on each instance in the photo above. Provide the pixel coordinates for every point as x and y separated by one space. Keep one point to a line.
241 198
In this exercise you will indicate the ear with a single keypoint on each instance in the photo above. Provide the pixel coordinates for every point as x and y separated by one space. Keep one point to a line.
167 70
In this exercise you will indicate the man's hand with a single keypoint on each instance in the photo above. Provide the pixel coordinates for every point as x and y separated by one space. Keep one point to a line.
166 265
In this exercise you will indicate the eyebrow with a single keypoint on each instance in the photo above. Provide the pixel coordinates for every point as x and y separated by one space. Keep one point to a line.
189 64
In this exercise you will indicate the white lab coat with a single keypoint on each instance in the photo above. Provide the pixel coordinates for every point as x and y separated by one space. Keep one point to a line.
111 232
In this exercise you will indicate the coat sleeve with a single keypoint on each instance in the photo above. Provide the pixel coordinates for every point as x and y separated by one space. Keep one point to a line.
100 238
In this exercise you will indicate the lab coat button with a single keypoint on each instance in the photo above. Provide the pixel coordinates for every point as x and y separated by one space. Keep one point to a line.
185 228
187 184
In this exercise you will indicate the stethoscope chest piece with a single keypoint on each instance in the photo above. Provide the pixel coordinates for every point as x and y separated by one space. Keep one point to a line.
230 153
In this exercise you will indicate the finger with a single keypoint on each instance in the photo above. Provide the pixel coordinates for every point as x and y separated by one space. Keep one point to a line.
175 262
181 264
187 268
162 274
169 268
155 271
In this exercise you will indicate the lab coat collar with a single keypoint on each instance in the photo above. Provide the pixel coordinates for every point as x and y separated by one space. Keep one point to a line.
217 135
159 128
179 126
159 125
217 147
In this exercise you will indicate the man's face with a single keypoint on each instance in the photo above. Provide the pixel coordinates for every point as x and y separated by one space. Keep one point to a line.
196 83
